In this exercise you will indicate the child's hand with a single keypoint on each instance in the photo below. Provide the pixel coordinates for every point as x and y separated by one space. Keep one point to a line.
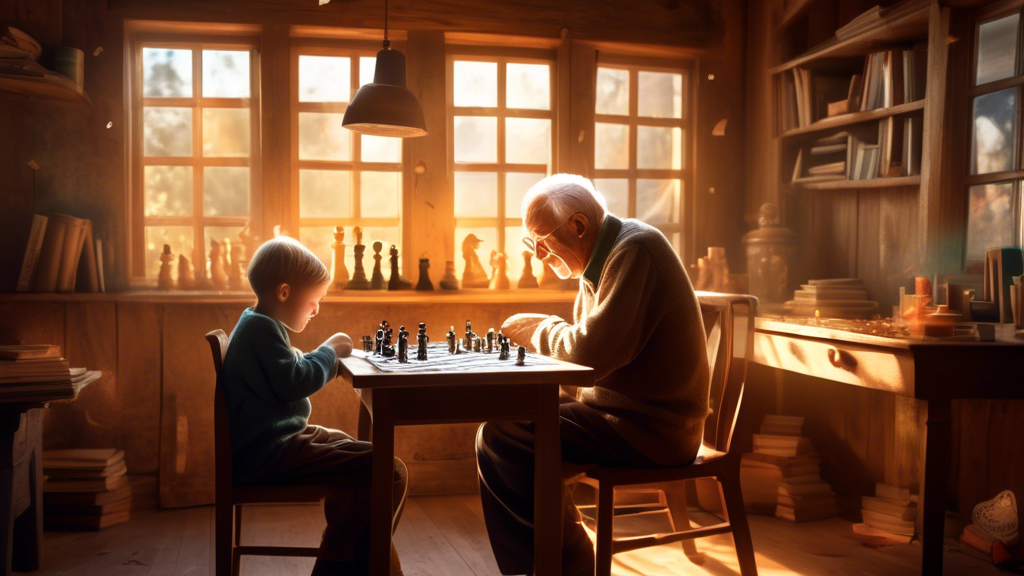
341 343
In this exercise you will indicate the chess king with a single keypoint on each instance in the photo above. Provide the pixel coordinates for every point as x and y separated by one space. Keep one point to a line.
637 323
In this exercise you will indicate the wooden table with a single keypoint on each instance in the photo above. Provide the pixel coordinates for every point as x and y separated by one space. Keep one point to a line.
930 369
500 391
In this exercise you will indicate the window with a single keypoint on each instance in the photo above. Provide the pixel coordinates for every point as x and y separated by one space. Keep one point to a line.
641 135
195 144
340 178
994 185
501 117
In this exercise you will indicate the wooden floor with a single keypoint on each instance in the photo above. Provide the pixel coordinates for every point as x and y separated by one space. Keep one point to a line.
446 535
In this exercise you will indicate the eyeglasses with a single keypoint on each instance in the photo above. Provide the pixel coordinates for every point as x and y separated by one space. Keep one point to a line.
534 245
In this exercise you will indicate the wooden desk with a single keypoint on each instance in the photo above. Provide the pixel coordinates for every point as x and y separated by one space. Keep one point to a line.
934 370
499 392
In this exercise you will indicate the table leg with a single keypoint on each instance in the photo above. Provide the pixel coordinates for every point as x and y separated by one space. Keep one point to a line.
934 485
381 479
9 422
547 512
28 528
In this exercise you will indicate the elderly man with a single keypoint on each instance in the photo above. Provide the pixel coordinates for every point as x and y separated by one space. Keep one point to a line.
637 323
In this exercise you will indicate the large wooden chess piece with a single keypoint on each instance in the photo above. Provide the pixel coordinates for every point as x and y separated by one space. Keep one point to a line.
358 281
499 271
231 253
397 282
424 283
164 281
548 278
377 279
473 276
186 276
243 247
527 280
449 281
339 272
217 275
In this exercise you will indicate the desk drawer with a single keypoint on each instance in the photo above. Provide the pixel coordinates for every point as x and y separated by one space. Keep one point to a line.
888 369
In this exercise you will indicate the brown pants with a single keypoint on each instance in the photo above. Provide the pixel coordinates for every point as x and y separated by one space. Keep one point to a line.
320 455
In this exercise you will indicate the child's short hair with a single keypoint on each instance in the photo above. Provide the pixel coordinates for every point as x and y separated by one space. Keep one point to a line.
284 260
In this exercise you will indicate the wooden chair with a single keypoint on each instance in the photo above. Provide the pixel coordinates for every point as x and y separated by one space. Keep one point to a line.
729 325
231 497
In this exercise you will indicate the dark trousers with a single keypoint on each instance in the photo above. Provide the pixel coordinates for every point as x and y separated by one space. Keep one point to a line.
504 452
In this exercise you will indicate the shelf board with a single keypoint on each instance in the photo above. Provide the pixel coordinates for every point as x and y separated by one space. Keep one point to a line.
50 88
854 118
859 184
892 30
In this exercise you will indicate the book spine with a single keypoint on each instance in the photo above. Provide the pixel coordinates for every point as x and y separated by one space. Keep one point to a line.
99 265
69 258
87 277
48 266
35 243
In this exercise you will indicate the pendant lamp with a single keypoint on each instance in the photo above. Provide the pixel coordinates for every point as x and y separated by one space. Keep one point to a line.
385 107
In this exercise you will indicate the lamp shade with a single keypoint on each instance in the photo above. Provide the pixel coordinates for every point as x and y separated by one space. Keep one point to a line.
386 107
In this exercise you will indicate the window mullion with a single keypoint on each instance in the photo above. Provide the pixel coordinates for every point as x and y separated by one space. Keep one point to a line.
501 156
198 236
633 127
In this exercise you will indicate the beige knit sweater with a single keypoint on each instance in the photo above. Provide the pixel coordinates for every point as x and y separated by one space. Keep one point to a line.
638 324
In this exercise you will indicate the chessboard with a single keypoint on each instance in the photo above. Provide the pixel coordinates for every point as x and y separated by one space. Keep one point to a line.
439 360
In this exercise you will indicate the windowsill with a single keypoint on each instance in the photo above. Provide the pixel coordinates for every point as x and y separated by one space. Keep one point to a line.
350 296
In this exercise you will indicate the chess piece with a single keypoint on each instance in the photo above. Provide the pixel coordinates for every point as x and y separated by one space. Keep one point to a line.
421 342
521 356
467 340
449 281
358 281
217 275
424 284
232 250
473 276
397 282
503 355
548 278
164 281
527 280
186 276
478 344
403 345
451 340
377 278
388 347
378 342
241 249
367 344
490 340
339 272
499 271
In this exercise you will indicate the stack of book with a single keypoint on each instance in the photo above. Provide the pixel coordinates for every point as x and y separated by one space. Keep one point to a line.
975 541
826 160
85 489
61 256
38 373
832 298
888 516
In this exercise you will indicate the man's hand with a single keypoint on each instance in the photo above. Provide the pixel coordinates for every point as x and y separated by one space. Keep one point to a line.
520 328
341 343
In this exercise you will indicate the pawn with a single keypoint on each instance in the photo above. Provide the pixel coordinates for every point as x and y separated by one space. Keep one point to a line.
377 280
367 344
186 275
527 280
503 354
451 340
421 342
449 281
521 356
164 281
403 345
490 341
499 271
397 282
424 284
217 275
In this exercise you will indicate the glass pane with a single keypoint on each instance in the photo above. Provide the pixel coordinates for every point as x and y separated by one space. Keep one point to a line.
325 193
528 86
324 79
380 194
488 241
226 132
612 91
319 239
997 49
516 186
166 73
367 67
225 74
226 191
995 132
616 194
990 219
527 141
476 195
167 131
168 190
611 146
179 238
659 148
657 201
659 95
381 149
476 139
476 84
220 234
685 99
321 137
514 249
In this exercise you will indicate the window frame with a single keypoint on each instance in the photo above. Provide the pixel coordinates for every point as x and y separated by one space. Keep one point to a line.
137 160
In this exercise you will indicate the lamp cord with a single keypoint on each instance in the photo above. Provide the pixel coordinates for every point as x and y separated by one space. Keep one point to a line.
387 43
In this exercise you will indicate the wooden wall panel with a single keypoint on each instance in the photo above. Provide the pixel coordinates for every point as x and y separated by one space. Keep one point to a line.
139 356
16 218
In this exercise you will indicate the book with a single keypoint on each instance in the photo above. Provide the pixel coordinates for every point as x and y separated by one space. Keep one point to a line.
86 498
912 142
108 484
898 509
35 243
87 275
48 262
82 458
915 72
771 460
85 522
1001 265
823 149
116 469
801 488
74 238
868 535
29 351
888 523
830 168
101 282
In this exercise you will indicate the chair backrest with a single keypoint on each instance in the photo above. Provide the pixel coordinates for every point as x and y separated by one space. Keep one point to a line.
729 326
221 426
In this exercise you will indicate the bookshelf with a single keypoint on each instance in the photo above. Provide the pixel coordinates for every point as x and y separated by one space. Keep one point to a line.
45 88
853 118
894 182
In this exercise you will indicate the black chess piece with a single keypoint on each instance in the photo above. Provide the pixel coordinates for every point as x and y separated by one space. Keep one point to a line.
503 355
424 283
397 282
521 356
449 281
377 279
451 340
467 341
368 344
378 342
421 342
388 348
490 340
403 345
358 281
478 345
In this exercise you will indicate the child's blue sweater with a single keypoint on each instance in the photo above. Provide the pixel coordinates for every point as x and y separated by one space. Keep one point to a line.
267 384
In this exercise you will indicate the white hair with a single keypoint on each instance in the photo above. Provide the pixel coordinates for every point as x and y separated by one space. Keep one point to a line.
561 196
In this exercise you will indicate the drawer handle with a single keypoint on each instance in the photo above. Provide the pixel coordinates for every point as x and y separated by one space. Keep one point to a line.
842 360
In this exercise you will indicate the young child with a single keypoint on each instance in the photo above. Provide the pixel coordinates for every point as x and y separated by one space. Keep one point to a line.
267 384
